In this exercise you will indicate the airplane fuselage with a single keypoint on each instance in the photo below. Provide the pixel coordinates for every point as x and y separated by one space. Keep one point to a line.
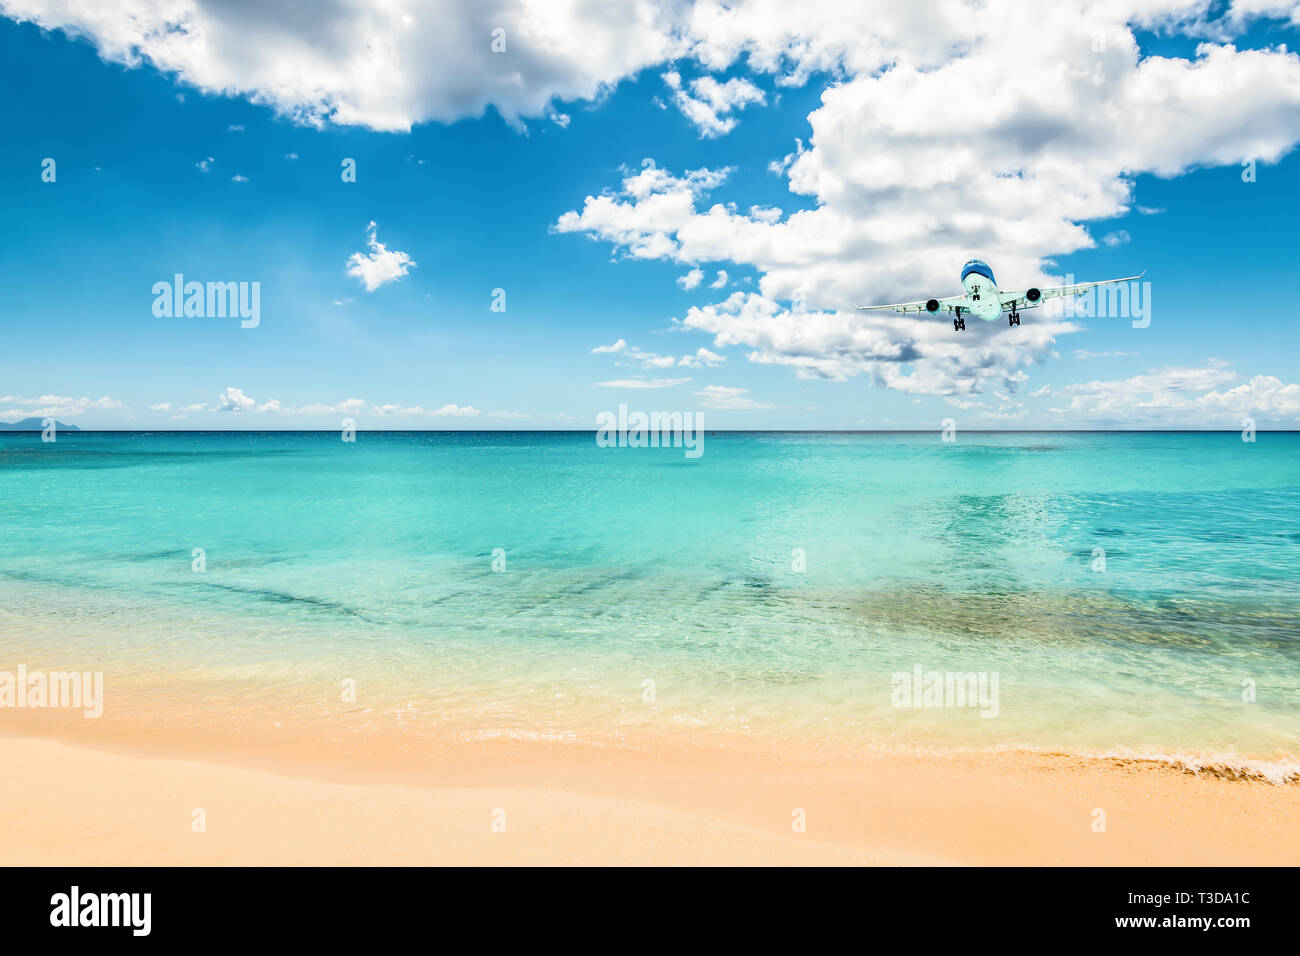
982 298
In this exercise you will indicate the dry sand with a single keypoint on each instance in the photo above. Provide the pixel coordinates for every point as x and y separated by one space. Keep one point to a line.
75 804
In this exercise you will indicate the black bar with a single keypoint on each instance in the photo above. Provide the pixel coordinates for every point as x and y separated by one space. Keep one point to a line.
930 907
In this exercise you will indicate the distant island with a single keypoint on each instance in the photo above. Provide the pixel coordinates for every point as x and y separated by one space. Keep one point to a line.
35 425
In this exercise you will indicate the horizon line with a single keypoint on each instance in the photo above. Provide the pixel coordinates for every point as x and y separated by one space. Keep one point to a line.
593 430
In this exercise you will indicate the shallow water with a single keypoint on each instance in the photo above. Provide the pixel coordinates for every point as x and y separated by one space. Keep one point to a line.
645 591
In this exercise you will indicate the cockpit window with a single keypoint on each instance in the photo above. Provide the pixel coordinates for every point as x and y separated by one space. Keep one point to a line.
977 266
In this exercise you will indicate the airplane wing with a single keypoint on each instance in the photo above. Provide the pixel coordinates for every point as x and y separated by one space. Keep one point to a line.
1020 300
945 305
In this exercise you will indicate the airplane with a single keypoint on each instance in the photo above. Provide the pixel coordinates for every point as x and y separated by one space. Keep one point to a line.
983 299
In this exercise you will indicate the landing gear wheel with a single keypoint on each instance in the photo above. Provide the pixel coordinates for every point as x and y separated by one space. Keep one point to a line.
1013 318
958 324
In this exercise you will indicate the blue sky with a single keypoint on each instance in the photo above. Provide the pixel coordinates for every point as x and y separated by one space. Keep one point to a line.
166 163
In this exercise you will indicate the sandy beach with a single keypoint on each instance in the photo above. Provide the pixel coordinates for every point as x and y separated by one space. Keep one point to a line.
539 803
635 690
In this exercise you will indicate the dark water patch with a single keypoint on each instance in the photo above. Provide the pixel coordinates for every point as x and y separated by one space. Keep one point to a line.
1205 534
61 580
1000 450
283 597
57 456
154 555
608 579
469 592
1083 618
245 561
717 586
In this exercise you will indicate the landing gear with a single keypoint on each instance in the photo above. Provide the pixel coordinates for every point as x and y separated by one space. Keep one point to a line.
1013 318
958 323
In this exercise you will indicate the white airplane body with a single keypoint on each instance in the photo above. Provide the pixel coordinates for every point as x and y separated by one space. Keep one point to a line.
984 300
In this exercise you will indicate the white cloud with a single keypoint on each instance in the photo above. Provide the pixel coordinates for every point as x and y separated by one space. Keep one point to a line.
1210 396
702 358
1085 354
721 281
357 407
722 396
1117 238
890 202
384 66
234 400
643 383
779 166
238 178
380 265
53 406
351 406
635 355
388 66
1243 10
650 208
205 164
162 407
896 204
691 280
707 103
912 354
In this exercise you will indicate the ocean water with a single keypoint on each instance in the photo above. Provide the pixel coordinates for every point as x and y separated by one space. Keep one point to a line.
779 586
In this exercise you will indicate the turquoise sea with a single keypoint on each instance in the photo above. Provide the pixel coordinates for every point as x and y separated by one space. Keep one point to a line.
771 588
